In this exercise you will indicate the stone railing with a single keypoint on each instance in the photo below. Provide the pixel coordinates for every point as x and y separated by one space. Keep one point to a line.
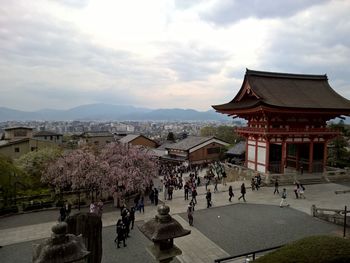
336 216
239 173
336 174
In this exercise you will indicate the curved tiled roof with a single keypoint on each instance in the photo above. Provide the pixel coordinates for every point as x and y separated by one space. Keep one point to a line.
287 91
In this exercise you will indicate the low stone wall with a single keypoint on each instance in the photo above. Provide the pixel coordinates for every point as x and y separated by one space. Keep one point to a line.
335 216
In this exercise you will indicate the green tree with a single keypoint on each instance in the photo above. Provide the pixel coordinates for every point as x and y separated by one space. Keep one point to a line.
225 133
33 164
171 137
339 155
10 176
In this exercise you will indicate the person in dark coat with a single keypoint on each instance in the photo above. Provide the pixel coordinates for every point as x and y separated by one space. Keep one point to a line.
243 191
62 214
276 187
208 197
132 217
190 214
155 196
141 205
194 194
186 190
121 233
151 196
230 193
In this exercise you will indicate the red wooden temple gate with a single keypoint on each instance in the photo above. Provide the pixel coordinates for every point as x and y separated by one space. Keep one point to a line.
287 115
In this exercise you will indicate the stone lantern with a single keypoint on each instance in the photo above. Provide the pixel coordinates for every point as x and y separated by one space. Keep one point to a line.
61 247
162 230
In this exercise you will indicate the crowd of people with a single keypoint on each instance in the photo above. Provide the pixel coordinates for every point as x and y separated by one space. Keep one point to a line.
172 179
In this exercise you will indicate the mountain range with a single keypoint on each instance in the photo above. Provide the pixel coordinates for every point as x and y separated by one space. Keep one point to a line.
109 112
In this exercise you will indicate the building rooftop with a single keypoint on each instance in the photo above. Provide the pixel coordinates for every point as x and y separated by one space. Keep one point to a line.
46 133
190 142
285 90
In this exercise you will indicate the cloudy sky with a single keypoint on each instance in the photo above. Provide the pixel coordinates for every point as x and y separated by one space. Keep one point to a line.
163 53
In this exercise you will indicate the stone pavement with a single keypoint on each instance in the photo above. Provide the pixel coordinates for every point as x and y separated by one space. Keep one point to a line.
322 195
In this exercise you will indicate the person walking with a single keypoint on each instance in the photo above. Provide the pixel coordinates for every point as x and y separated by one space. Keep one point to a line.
132 217
190 214
296 190
208 197
100 208
230 193
194 195
67 208
252 184
155 195
62 216
216 181
301 190
243 192
276 187
141 205
224 176
121 233
165 190
151 196
186 190
283 199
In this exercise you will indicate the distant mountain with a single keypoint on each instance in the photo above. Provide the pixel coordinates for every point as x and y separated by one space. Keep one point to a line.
104 112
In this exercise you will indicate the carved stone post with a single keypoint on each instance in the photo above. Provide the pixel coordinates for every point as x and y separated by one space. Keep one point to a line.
60 248
89 225
161 231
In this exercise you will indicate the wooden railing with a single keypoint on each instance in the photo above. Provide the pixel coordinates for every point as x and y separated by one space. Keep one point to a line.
317 131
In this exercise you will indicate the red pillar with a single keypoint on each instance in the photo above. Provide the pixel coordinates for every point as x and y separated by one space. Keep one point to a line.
311 155
297 157
284 152
325 153
246 152
267 156
256 153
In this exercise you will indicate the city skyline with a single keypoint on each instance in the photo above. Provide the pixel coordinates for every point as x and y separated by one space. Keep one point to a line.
60 54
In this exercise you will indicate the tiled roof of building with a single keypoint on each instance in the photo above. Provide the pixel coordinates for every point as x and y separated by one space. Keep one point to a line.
129 138
286 91
17 127
46 133
165 145
190 142
6 143
97 134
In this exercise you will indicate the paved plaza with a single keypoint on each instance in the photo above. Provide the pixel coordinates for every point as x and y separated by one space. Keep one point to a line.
223 230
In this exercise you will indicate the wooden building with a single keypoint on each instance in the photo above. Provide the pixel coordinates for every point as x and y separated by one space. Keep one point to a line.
98 139
138 139
195 149
287 115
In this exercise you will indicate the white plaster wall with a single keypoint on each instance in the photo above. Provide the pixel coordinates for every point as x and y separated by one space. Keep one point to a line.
251 165
261 168
251 153
261 155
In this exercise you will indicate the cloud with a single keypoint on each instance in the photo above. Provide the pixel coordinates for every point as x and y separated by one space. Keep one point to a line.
60 54
225 12
191 63
314 45
73 3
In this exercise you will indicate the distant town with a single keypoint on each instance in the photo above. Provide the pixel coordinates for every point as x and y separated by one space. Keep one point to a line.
151 129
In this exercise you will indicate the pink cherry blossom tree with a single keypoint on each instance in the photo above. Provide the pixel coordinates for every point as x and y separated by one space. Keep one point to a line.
116 168
127 167
77 170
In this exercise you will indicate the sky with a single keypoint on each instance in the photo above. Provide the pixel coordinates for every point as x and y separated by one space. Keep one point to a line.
60 54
